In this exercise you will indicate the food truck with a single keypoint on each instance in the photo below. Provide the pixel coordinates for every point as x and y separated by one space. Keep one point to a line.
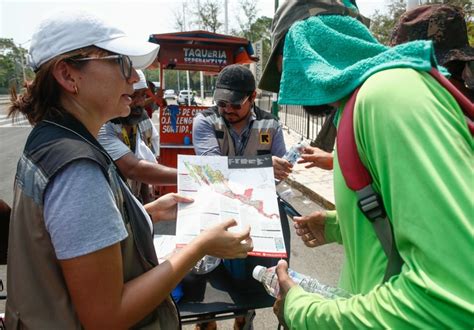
193 51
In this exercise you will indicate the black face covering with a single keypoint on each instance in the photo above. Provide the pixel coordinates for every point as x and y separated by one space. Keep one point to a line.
318 110
136 115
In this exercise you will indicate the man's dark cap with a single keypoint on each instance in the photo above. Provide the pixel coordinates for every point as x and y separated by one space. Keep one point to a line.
443 24
234 83
289 13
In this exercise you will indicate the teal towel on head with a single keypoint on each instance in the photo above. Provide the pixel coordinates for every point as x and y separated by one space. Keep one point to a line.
327 57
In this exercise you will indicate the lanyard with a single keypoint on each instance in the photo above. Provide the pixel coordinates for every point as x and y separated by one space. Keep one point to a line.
127 139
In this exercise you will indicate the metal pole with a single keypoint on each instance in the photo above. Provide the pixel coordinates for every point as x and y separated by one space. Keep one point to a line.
183 28
163 82
162 76
184 17
275 95
189 88
226 4
201 78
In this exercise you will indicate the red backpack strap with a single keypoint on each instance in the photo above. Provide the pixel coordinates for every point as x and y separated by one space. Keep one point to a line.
354 172
466 105
358 179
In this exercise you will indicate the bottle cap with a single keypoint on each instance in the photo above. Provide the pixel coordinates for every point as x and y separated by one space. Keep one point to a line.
256 272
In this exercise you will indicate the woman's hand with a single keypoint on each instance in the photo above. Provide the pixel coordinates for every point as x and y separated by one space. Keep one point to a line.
218 242
311 228
281 168
315 157
165 207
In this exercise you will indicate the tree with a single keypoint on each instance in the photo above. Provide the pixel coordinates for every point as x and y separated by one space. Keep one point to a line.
382 24
249 9
261 30
180 18
207 15
12 65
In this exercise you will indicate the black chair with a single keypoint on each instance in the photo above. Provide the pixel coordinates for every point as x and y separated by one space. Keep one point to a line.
218 296
5 212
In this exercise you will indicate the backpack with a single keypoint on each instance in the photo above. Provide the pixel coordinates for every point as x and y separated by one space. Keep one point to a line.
359 180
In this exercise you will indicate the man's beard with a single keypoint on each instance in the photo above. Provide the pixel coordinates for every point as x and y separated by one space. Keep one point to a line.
234 119
318 110
136 115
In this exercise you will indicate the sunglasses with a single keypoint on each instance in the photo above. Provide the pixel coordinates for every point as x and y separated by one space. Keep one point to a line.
238 106
123 60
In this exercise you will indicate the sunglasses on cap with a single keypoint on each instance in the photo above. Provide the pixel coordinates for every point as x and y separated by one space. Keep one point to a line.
237 106
123 60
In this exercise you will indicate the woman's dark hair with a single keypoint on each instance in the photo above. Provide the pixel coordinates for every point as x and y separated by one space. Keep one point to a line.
41 96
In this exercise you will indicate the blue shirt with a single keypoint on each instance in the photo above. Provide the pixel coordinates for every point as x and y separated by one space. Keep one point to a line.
80 212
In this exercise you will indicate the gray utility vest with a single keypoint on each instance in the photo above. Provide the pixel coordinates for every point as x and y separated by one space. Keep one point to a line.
37 293
145 130
260 139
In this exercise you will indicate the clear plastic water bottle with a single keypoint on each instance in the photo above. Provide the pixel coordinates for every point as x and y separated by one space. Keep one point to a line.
295 152
206 265
269 279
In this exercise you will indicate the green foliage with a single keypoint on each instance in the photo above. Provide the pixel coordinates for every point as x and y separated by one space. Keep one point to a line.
153 75
249 9
255 28
12 64
470 32
382 24
260 30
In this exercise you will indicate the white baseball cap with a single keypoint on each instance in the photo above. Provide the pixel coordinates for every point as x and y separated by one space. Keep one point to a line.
141 84
65 31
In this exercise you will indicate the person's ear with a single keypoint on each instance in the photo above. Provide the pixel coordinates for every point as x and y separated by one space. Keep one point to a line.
64 75
253 96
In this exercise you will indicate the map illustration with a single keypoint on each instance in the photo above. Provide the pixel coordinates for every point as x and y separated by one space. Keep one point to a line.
223 187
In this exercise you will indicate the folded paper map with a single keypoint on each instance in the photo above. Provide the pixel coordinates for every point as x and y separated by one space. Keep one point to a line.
242 188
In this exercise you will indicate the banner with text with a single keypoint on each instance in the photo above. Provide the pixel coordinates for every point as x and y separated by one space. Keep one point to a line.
176 123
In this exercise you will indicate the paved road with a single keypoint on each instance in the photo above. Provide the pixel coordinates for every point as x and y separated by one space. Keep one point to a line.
17 122
323 263
12 140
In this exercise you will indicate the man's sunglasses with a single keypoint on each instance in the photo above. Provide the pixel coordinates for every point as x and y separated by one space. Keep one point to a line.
123 60
225 104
